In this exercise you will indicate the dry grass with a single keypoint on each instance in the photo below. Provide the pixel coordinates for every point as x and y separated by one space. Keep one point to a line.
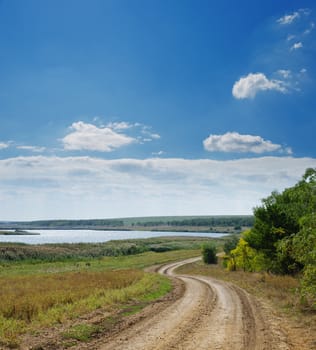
33 302
281 290
27 296
37 296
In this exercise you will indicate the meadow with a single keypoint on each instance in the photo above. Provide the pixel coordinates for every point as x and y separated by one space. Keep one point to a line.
57 285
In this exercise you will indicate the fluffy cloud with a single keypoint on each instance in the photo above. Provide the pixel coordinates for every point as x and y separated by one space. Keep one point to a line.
250 85
235 142
85 187
84 136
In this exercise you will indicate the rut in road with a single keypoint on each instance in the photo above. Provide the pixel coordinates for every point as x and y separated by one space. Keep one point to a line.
210 315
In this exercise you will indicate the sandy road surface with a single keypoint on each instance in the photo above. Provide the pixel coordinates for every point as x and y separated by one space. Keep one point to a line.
210 315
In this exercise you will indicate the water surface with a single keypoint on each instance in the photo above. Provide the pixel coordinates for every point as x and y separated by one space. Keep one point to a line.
94 236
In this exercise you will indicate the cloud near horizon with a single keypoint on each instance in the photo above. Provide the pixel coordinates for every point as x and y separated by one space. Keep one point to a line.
238 143
39 187
248 86
36 149
3 145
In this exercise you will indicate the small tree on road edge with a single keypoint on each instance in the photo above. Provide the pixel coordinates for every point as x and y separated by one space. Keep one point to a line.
209 253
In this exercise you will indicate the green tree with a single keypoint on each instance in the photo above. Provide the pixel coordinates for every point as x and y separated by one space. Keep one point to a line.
304 251
278 221
209 253
230 244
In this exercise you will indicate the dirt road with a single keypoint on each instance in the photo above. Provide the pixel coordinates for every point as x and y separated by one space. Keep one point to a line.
210 315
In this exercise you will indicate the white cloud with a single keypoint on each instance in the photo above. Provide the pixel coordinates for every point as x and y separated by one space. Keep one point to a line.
155 136
149 135
309 30
84 187
3 145
296 46
32 148
285 73
235 142
290 37
159 153
248 86
84 136
120 125
288 19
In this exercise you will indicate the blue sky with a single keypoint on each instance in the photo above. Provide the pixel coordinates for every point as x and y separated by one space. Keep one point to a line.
134 108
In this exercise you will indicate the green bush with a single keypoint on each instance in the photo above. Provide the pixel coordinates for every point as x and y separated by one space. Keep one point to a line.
209 253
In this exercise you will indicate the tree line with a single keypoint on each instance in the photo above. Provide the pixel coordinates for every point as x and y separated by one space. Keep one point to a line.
283 237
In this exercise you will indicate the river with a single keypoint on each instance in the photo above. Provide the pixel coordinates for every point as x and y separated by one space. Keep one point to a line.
93 236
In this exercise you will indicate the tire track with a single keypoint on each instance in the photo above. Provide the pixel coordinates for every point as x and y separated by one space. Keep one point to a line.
211 314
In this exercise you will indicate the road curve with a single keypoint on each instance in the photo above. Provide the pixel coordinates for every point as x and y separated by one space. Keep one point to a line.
211 314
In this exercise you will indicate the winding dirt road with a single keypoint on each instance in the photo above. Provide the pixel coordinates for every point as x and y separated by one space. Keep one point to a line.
210 315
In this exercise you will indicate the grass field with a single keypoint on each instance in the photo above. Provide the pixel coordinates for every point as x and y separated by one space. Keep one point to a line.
44 294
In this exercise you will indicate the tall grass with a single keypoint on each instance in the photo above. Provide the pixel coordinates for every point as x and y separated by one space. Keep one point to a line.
281 290
27 296
33 302
37 295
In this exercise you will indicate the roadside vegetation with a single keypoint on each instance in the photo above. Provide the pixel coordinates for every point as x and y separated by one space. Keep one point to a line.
209 251
276 259
283 238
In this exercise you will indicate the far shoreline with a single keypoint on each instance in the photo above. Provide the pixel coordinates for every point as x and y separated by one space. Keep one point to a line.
18 232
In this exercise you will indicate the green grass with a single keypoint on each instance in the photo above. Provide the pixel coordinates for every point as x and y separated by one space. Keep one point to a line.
109 263
81 332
